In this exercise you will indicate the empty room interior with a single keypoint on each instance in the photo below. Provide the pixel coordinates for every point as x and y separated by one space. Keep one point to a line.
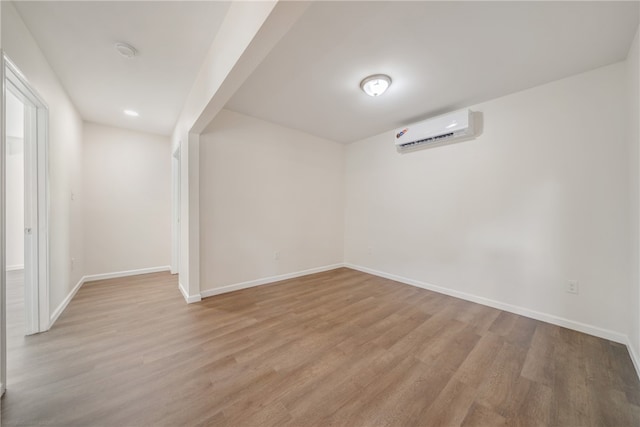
320 213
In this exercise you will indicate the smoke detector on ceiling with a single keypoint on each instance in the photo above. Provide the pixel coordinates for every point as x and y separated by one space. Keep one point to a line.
126 50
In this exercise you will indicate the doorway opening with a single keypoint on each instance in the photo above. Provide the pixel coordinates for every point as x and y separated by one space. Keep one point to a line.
14 217
26 214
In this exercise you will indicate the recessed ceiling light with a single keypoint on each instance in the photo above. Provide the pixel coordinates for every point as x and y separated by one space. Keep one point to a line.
131 113
375 85
126 50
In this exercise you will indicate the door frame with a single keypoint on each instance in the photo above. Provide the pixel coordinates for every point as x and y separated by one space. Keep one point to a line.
36 197
37 256
36 205
3 257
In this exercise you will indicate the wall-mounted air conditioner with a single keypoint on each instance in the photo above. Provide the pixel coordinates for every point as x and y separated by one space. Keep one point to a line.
451 127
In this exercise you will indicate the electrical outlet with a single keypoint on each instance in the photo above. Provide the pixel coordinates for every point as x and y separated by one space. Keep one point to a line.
276 255
572 286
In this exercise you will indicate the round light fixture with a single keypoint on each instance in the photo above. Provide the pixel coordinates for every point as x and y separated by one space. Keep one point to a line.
375 85
125 50
131 113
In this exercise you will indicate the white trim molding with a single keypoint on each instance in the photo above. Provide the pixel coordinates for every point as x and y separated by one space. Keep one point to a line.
189 299
63 305
267 280
36 185
15 267
533 314
635 357
126 273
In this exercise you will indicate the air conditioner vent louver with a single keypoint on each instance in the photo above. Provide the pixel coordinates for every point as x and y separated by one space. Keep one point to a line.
437 131
425 140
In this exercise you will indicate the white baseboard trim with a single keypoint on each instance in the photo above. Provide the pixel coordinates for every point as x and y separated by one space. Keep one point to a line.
266 280
63 305
15 267
117 274
189 299
533 314
635 358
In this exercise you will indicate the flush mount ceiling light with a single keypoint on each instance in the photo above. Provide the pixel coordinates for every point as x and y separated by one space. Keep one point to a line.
375 85
131 113
126 50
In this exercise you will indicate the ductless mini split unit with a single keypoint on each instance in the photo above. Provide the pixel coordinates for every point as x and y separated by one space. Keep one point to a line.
445 129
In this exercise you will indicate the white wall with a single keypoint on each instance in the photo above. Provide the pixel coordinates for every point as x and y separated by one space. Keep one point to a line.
14 122
633 93
241 23
248 32
65 151
15 183
266 189
539 198
127 203
15 204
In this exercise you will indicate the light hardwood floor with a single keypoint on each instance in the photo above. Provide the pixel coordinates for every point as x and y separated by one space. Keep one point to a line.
335 348
15 317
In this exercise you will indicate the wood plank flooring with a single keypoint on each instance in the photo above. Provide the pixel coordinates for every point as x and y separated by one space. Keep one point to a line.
340 348
15 309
